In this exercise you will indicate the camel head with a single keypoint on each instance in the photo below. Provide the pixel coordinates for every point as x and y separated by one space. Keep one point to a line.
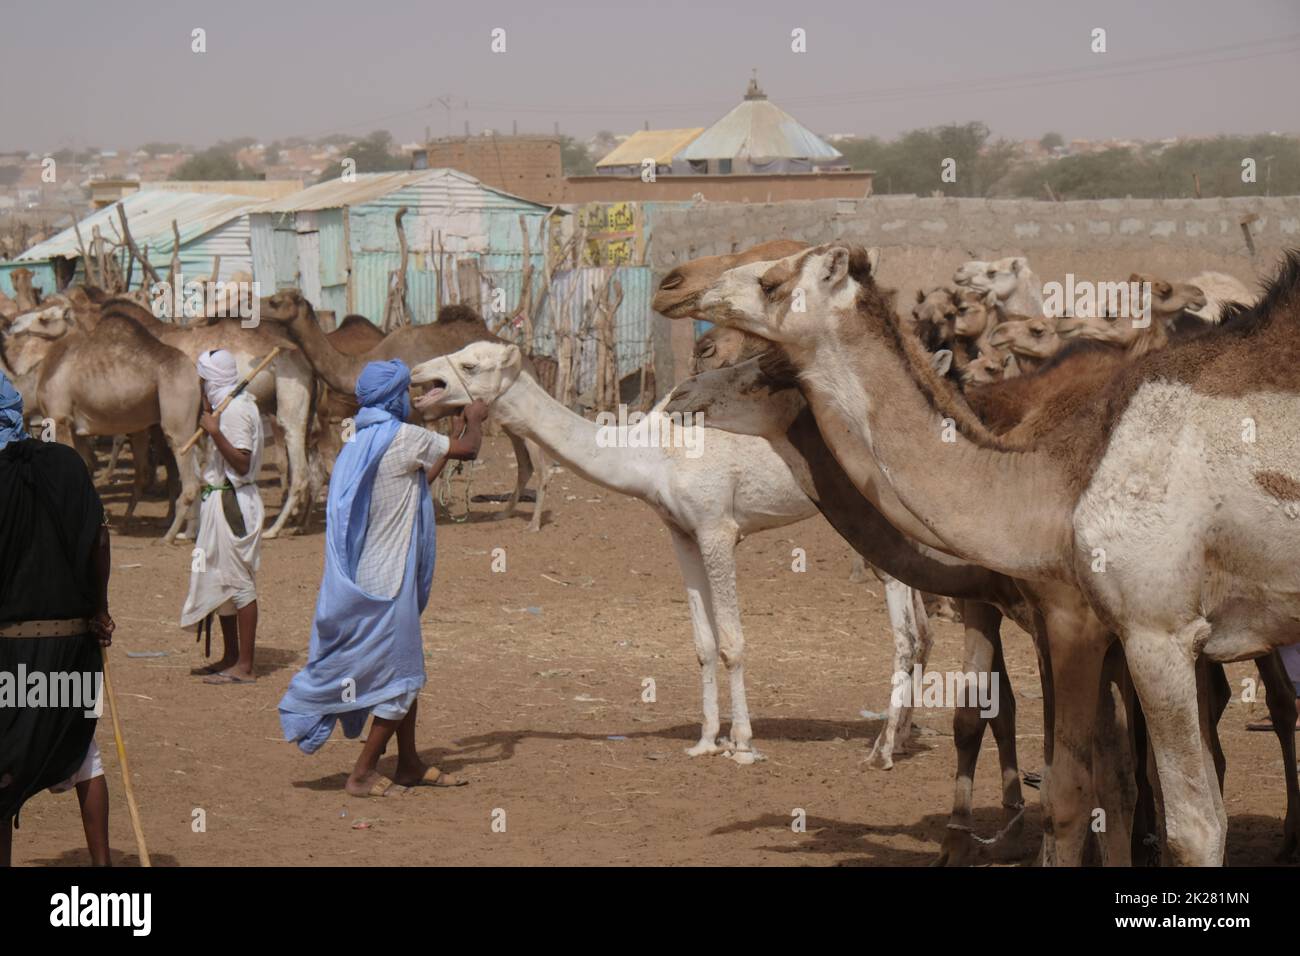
720 347
790 301
1001 276
481 370
285 306
679 292
973 313
991 365
933 316
759 396
51 320
1170 299
1034 338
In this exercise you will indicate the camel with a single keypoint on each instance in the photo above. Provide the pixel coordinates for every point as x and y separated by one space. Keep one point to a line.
1112 501
934 316
26 296
117 379
1220 290
721 348
1032 341
284 390
1011 280
413 344
752 398
1170 305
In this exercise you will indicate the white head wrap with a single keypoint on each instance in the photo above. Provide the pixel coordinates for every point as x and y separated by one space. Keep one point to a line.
220 375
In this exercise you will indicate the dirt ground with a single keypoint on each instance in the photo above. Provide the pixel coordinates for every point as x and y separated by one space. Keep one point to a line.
534 695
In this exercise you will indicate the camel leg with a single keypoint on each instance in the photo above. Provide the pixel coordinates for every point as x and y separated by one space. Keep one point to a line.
111 467
983 655
140 467
1165 675
1279 694
706 646
1113 766
523 471
542 469
907 625
293 409
1077 653
718 549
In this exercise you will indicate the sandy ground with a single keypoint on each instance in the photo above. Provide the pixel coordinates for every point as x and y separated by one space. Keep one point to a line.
534 695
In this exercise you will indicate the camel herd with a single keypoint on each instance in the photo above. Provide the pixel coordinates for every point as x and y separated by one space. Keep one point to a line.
1142 512
1139 479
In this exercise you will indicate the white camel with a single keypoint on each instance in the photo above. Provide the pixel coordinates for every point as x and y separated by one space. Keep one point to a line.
735 486
1015 284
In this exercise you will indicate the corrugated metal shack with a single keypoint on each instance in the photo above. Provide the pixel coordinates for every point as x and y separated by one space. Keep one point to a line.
210 225
338 243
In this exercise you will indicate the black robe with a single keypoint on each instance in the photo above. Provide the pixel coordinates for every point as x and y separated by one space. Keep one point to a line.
50 518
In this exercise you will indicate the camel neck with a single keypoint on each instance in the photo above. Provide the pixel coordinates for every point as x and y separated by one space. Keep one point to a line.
581 445
1002 508
339 371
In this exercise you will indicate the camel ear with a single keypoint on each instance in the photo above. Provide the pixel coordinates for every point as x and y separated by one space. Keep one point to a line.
835 266
942 361
873 259
1019 264
514 357
920 296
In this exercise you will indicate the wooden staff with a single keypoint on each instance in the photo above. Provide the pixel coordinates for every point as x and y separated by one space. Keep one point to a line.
121 759
243 384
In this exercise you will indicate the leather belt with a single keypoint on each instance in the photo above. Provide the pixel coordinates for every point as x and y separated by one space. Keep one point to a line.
66 628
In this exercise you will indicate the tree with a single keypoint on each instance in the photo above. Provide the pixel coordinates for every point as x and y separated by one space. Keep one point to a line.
1051 141
574 158
215 163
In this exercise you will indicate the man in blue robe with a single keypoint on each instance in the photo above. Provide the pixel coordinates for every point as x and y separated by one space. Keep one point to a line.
366 657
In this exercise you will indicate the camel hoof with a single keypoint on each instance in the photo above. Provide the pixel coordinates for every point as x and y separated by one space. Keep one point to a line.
705 748
744 757
958 850
880 758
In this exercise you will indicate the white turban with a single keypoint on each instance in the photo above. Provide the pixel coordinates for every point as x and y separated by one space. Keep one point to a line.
220 375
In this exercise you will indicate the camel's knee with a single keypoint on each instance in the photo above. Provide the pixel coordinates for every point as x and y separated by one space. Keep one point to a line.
967 727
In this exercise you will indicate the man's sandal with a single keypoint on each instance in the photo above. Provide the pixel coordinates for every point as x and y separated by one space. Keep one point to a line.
433 777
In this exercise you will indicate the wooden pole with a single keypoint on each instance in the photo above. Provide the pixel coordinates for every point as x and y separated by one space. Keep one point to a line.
243 384
121 759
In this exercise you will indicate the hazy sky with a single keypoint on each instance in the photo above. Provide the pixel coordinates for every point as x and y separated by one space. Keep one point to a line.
121 73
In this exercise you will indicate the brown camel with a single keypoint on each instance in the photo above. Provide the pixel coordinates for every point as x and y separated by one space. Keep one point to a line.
1031 340
456 327
1171 306
1106 505
25 294
118 379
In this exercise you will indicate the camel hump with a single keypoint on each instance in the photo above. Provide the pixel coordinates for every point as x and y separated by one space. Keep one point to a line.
451 314
355 321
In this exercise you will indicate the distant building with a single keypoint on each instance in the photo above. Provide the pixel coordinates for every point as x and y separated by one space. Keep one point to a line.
757 137
527 166
659 145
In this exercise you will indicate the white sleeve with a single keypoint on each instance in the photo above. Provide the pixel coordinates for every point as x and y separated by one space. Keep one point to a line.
239 423
428 446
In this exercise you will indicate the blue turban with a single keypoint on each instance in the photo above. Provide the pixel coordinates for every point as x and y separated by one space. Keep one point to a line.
11 412
385 385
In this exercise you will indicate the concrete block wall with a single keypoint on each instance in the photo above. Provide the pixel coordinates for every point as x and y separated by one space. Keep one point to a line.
923 240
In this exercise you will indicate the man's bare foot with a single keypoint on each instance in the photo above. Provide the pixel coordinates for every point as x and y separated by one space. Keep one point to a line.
372 784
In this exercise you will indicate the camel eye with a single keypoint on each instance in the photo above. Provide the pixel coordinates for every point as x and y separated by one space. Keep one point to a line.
672 281
469 368
707 349
768 285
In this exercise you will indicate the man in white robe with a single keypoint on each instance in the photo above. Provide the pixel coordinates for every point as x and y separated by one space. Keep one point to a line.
228 548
